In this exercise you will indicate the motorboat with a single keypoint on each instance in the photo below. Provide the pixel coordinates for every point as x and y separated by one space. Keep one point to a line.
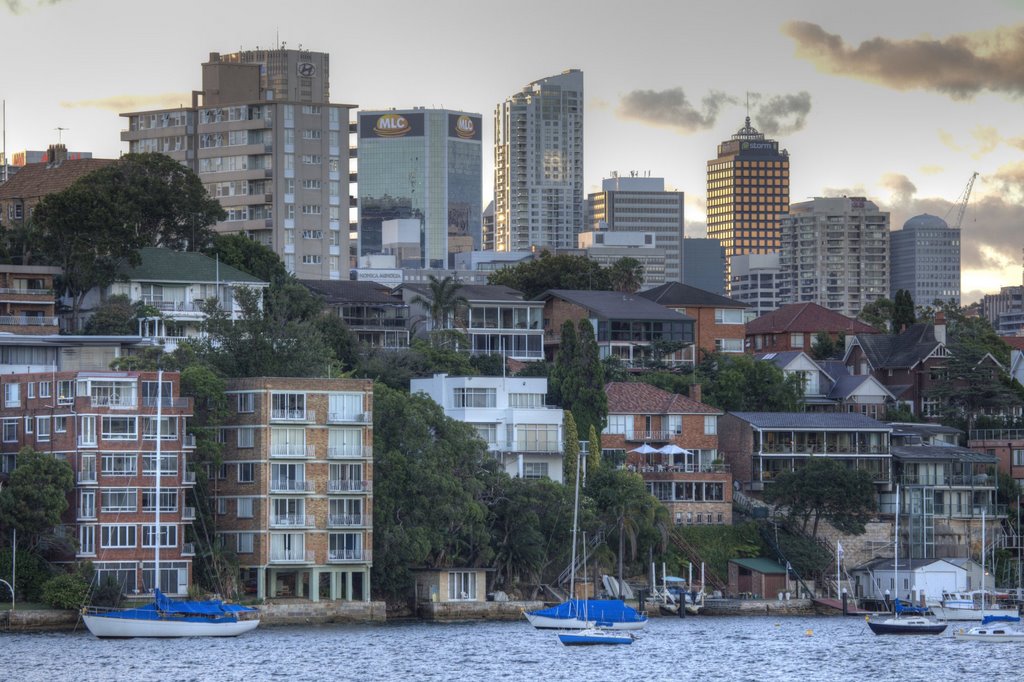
594 637
967 606
993 629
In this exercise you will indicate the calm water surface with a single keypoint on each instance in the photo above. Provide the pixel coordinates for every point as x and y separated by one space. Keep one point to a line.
760 648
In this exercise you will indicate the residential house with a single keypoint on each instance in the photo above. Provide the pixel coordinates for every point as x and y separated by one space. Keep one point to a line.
105 426
373 312
509 414
23 354
27 302
919 579
718 321
496 319
629 327
294 494
758 446
1006 445
829 386
175 286
689 478
24 190
795 326
444 585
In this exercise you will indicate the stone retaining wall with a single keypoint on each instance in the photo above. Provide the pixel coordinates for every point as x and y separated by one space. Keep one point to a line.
39 621
758 607
476 610
300 612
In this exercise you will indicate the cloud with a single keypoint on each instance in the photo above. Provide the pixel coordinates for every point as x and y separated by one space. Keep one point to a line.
988 138
855 191
783 114
18 7
960 66
1017 142
125 103
932 169
671 109
903 190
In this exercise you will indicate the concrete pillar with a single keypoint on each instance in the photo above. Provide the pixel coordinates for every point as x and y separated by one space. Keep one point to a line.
348 586
366 584
314 584
261 583
273 582
298 583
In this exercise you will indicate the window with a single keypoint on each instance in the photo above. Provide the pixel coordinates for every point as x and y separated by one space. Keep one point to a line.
44 389
168 500
87 540
526 399
65 392
728 316
120 428
119 465
475 397
729 345
537 438
222 506
245 437
168 428
87 432
118 499
168 464
796 340
710 425
28 425
168 535
344 406
246 402
30 389
288 406
675 424
312 259
151 390
117 537
461 586
535 470
1018 457
12 395
245 472
245 508
245 542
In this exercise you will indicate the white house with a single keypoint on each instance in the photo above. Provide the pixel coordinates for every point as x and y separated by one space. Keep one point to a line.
918 579
510 415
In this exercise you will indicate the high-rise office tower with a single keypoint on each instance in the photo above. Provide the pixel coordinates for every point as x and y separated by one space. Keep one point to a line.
641 204
747 194
835 252
421 164
270 146
926 260
704 264
538 165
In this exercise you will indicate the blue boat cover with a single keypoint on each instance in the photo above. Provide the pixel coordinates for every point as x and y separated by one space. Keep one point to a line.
1000 619
604 611
162 606
901 608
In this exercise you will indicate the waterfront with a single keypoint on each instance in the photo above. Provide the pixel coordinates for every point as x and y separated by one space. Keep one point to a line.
668 649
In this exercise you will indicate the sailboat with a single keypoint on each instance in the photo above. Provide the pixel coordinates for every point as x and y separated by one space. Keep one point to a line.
915 622
993 628
579 614
592 636
963 606
167 617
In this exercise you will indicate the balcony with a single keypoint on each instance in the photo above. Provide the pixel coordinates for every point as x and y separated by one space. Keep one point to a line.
656 436
188 440
188 513
87 441
188 549
165 402
350 452
292 450
125 402
288 485
87 514
342 556
278 415
292 521
345 520
291 556
27 321
87 477
348 486
188 478
350 417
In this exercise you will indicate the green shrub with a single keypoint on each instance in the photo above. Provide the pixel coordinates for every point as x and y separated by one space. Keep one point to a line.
68 591
32 571
107 593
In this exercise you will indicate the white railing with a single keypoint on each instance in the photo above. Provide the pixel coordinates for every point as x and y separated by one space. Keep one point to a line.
87 476
344 555
36 292
188 478
287 485
350 452
188 513
291 556
188 549
87 441
292 450
350 417
165 402
348 486
293 415
292 521
336 520
123 402
27 321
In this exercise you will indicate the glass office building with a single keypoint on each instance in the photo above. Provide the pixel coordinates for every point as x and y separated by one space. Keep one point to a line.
422 164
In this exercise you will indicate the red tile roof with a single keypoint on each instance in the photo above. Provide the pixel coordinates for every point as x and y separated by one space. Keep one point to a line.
627 397
36 180
806 317
1015 342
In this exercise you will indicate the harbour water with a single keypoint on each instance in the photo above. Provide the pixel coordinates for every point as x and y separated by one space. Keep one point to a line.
762 648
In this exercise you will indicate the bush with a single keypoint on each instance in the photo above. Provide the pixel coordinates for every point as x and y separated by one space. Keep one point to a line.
107 593
33 572
68 591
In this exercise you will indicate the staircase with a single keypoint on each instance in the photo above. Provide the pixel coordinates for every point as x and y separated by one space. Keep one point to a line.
690 552
594 542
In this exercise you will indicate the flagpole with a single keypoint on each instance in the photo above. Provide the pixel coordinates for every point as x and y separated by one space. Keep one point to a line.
839 557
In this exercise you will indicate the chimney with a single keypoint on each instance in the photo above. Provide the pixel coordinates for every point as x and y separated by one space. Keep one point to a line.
940 327
695 392
56 154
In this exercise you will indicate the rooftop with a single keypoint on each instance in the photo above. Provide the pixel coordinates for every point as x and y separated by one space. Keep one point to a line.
678 294
39 179
167 265
761 565
349 291
905 349
615 305
802 421
807 317
627 397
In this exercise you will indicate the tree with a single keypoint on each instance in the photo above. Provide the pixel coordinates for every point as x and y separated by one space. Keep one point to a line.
824 348
903 314
248 255
741 383
878 314
547 271
570 450
36 494
98 224
562 368
593 450
443 302
825 489
588 401
626 275
117 316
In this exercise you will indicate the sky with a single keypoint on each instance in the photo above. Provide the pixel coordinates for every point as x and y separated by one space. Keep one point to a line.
900 102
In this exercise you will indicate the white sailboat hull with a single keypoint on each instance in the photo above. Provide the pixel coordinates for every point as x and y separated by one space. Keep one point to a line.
577 623
105 626
990 635
967 615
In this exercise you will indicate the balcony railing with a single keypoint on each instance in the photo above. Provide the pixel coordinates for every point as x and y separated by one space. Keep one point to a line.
87 476
188 478
958 480
288 485
293 415
997 434
114 401
188 513
164 402
341 520
348 486
349 555
27 321
826 449
188 549
644 436
292 521
350 417
35 292
350 452
188 440
87 441
952 511
291 556
292 450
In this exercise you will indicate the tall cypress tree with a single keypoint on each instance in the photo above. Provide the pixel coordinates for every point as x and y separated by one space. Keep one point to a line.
585 395
594 451
570 448
903 311
564 362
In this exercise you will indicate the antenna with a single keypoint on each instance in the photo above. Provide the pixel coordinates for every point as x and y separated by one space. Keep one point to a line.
59 131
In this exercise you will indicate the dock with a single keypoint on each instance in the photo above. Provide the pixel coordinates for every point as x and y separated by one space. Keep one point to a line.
851 606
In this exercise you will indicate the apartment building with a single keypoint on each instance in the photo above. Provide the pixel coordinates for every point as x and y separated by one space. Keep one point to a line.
105 425
293 497
27 304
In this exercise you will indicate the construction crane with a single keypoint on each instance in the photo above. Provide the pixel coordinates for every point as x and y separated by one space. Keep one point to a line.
961 203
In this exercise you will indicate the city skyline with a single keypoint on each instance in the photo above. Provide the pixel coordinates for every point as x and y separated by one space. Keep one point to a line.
899 103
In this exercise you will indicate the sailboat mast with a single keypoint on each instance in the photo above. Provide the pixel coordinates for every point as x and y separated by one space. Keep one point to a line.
983 581
575 525
159 472
896 552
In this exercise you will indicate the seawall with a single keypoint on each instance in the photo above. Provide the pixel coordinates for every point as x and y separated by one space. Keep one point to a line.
475 610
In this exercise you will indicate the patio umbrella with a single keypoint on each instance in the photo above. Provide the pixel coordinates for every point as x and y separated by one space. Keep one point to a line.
645 449
673 449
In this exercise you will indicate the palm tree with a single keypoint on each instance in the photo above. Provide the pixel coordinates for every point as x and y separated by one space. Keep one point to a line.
627 275
443 301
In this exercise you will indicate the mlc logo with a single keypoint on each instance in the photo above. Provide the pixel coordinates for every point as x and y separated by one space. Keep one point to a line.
464 127
392 125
